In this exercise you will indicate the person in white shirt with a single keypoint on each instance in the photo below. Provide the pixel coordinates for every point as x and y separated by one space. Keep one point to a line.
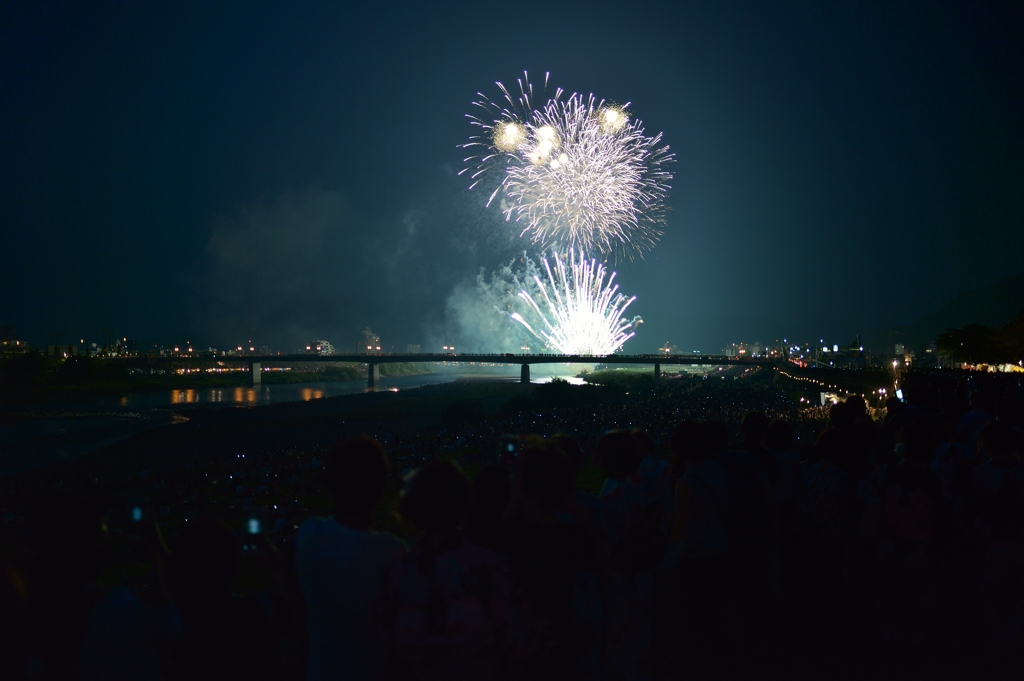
342 567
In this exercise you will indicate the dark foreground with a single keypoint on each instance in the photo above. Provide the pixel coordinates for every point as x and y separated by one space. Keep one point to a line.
820 546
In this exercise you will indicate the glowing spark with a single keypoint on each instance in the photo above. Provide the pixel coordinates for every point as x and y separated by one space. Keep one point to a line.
577 173
577 312
612 118
509 136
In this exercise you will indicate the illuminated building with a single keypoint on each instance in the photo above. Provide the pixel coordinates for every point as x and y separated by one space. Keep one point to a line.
319 347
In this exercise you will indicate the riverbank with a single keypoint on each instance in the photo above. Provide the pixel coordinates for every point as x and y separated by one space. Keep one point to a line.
48 432
211 432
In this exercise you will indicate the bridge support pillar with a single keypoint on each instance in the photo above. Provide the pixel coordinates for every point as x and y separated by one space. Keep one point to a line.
255 373
657 371
372 375
524 374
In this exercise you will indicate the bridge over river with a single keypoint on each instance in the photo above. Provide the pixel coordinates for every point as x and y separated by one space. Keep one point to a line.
373 361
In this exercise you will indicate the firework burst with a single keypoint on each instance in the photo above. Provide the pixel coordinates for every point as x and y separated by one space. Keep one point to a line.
576 173
578 312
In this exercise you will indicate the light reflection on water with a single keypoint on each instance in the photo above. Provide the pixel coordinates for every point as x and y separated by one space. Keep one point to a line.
238 395
264 394
184 396
259 395
243 396
311 394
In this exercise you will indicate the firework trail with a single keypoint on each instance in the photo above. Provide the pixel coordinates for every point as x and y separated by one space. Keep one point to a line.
578 312
576 173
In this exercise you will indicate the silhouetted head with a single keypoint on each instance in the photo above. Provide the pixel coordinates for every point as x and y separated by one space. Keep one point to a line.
832 447
204 560
1009 411
755 425
572 450
999 442
841 416
779 437
949 421
982 399
920 438
864 445
685 439
489 497
356 473
618 453
714 438
65 532
544 474
645 443
693 441
436 498
920 393
857 406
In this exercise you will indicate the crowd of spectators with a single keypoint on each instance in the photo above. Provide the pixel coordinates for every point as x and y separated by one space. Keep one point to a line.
708 529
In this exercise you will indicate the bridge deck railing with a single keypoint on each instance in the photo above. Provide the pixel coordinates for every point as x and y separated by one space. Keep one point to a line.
373 361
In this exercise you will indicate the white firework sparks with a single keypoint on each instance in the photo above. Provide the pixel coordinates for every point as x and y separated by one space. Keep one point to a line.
576 173
578 312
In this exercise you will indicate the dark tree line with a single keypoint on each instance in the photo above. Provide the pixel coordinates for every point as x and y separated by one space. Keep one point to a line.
975 343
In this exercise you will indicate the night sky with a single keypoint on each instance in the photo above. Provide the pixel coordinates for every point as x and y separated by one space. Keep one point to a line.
219 172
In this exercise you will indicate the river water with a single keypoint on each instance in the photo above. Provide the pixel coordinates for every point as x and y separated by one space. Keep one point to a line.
287 392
